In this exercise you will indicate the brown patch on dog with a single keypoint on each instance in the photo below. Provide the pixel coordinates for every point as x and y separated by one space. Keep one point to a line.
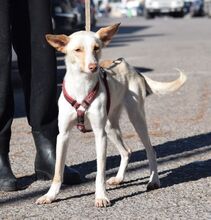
105 34
59 42
106 63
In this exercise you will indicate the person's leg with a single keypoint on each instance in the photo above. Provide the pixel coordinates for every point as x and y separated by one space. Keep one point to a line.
37 65
8 181
22 46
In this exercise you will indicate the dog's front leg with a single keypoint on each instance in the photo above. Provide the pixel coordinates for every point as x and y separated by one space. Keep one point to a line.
101 199
66 122
101 148
50 196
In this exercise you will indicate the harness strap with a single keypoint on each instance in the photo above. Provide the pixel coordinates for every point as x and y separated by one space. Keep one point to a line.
87 101
104 76
85 104
72 101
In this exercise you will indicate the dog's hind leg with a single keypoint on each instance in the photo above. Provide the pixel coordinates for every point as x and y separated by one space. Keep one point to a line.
114 134
135 108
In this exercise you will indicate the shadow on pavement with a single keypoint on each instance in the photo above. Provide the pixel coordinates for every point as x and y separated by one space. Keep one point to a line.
169 151
189 172
126 29
121 41
143 69
126 35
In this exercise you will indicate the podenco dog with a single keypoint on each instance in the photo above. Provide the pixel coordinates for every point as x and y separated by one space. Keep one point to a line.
126 88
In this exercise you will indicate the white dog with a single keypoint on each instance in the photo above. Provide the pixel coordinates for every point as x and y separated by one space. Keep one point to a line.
95 96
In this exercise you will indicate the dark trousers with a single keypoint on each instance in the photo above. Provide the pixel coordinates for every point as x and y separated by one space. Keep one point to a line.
23 24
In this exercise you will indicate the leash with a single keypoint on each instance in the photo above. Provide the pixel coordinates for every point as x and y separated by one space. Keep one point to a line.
88 16
104 77
87 101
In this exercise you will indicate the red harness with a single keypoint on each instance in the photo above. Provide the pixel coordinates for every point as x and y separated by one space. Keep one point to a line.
87 101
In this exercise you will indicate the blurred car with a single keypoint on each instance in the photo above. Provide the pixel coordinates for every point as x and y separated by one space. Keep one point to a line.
119 8
132 8
63 16
155 7
111 7
69 15
187 5
194 7
207 7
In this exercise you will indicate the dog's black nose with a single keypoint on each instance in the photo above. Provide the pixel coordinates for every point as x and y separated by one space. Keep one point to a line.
92 67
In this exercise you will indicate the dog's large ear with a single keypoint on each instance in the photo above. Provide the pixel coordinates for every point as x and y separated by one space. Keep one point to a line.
59 42
105 34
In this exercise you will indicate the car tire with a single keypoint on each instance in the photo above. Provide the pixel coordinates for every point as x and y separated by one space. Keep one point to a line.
148 15
179 14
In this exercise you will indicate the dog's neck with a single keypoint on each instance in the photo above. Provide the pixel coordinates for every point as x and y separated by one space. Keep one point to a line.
78 84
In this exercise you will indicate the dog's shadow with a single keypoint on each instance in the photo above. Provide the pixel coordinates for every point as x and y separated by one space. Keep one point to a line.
169 151
189 172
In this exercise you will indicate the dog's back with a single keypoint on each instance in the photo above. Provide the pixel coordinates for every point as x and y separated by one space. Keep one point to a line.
126 75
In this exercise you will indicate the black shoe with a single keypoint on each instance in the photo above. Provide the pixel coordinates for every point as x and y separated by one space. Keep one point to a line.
8 182
45 162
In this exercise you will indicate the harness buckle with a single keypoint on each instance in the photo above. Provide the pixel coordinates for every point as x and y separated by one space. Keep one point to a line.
81 128
80 117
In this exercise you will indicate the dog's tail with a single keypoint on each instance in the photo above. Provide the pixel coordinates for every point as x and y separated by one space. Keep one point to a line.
161 88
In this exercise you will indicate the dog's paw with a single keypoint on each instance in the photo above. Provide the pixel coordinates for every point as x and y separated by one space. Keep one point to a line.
114 181
102 202
44 200
153 186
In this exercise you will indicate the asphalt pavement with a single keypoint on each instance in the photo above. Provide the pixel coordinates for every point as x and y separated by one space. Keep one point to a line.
179 126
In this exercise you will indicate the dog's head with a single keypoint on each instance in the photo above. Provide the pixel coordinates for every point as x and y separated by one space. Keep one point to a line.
82 48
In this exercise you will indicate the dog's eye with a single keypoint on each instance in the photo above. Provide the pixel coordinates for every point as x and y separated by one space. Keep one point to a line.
96 48
78 50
